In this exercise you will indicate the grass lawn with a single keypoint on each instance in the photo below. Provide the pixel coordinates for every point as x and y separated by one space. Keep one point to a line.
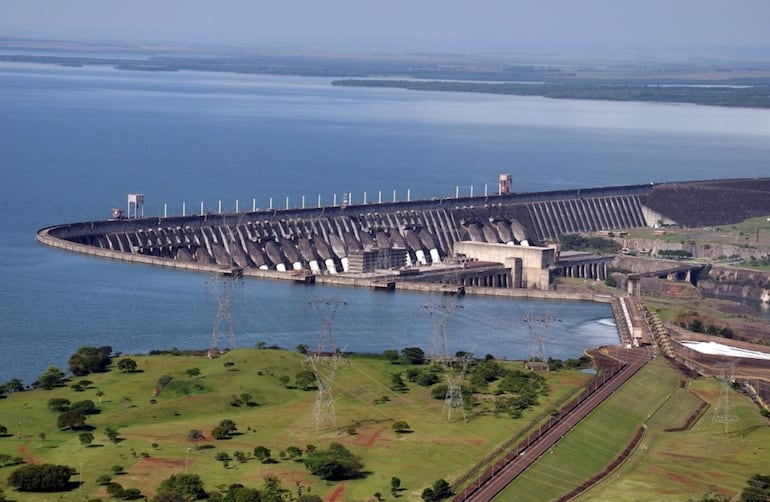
666 465
154 430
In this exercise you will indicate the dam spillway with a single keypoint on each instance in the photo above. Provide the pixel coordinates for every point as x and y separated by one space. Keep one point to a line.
390 235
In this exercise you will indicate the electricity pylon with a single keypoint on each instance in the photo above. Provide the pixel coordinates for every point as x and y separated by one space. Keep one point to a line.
324 362
222 286
437 351
723 410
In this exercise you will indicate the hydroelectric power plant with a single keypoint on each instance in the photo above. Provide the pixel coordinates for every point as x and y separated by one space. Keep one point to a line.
505 240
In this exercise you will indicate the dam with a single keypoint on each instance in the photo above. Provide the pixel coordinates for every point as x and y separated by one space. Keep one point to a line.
505 240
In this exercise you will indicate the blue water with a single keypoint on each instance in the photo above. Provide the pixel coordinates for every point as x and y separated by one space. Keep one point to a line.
75 141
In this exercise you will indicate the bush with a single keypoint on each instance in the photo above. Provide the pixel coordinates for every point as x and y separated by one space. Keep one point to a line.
41 478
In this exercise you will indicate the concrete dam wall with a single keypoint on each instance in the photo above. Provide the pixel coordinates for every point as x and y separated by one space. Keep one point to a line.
388 235
323 240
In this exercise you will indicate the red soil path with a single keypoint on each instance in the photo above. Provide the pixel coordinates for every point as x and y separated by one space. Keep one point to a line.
336 495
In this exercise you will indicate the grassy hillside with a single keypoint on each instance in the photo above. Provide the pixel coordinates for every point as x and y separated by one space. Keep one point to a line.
154 429
666 465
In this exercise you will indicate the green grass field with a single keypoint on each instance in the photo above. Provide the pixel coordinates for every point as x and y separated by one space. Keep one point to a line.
666 465
154 429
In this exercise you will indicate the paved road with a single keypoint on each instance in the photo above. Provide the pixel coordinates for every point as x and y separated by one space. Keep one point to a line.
501 474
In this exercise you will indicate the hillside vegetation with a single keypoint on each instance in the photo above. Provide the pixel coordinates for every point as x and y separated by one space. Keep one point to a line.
161 418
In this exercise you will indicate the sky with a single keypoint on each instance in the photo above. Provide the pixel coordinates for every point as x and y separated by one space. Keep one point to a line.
414 25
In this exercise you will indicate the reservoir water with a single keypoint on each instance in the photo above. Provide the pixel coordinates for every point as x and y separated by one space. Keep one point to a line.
75 141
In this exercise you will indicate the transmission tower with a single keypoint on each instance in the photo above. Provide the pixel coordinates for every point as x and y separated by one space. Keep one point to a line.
439 313
723 410
538 326
454 390
325 361
222 287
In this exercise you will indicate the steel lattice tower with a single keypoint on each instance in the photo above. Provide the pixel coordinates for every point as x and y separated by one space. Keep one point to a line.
439 314
537 336
723 409
223 287
324 362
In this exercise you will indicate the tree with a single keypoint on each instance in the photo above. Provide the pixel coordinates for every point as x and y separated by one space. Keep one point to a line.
72 420
223 457
305 379
294 452
50 378
391 355
195 436
262 454
224 430
41 478
112 434
333 464
13 385
439 491
127 365
758 489
395 485
400 426
99 395
193 372
90 360
187 486
285 380
397 383
414 355
58 404
86 407
86 438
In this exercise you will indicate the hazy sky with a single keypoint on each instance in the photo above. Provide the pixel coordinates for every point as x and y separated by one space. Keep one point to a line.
406 24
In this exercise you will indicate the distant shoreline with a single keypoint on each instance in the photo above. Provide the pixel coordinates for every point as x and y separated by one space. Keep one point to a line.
526 80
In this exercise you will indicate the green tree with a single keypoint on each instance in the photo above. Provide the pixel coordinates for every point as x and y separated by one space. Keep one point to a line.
224 430
397 383
223 457
58 404
13 385
72 420
86 407
193 372
333 464
262 454
391 355
187 486
112 434
305 379
50 378
414 355
86 438
758 489
90 360
41 478
439 491
127 365
395 485
400 426
294 452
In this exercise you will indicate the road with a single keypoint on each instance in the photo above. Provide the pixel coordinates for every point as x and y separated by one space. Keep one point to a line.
495 479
